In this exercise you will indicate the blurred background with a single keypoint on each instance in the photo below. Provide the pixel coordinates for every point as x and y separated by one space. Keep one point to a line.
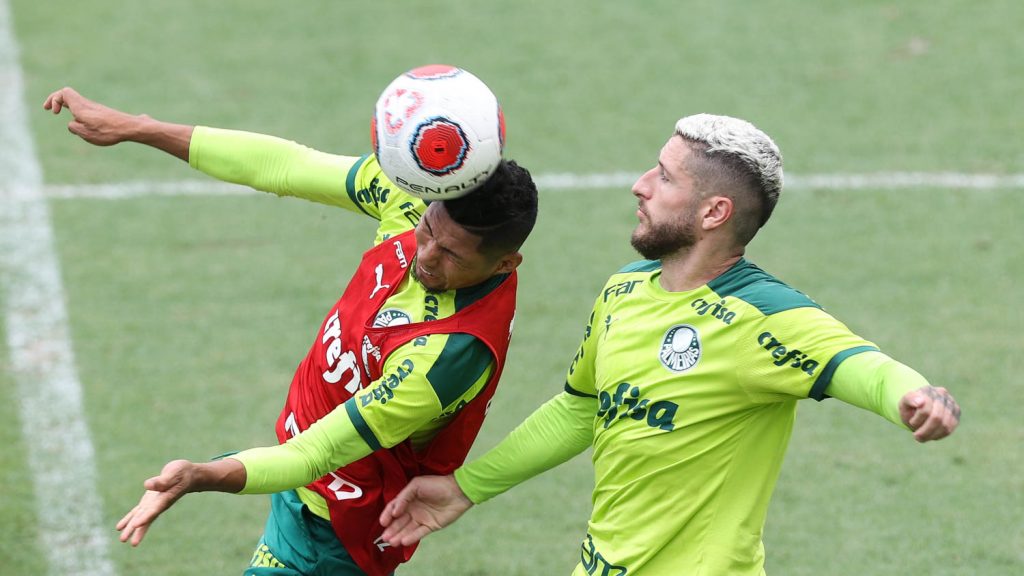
188 313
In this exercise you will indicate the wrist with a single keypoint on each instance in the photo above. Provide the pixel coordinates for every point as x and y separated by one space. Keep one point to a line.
221 476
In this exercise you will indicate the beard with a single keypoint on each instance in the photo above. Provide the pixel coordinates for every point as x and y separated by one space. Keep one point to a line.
659 240
416 277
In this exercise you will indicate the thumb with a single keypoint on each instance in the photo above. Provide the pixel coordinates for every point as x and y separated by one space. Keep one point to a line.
76 128
160 483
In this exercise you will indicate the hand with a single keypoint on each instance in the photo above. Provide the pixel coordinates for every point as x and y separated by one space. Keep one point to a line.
174 481
93 122
930 412
427 504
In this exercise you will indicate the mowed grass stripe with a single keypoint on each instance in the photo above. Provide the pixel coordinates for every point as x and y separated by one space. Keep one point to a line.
60 452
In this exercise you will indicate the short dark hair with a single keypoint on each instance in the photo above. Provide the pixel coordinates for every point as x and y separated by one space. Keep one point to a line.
502 211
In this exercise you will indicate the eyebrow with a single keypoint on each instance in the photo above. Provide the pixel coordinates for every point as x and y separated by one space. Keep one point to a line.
443 248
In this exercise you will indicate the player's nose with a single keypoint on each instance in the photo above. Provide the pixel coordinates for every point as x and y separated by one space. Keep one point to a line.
640 188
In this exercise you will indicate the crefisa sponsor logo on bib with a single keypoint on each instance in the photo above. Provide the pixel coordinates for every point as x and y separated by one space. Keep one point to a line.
680 349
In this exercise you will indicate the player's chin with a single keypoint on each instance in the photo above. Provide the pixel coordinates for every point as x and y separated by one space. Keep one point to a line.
430 282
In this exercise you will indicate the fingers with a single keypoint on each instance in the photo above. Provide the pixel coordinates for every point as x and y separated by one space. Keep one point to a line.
134 525
413 534
936 414
395 527
127 517
60 99
395 508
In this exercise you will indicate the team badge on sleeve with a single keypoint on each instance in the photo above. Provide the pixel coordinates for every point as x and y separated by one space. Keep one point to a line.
680 349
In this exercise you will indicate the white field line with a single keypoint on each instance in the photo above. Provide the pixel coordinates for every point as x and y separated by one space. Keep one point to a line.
60 452
569 181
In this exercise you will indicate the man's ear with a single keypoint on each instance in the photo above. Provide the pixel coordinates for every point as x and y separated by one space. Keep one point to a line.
717 211
508 263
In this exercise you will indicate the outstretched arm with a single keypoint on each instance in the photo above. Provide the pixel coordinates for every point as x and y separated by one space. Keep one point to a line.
103 126
878 383
178 478
554 433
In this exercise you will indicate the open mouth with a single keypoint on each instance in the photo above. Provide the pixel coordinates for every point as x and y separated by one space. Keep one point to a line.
423 272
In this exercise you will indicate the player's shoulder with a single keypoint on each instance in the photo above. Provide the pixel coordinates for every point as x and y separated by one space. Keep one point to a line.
629 277
370 184
639 270
747 282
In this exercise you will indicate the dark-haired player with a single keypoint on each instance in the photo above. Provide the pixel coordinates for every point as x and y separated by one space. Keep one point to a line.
401 370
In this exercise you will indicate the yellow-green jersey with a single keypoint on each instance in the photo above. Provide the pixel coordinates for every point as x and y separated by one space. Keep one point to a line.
688 399
696 396
447 370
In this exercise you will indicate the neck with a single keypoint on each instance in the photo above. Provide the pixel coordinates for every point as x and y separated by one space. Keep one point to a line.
695 266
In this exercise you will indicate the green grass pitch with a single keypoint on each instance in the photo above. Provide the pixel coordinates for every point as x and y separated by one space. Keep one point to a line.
197 309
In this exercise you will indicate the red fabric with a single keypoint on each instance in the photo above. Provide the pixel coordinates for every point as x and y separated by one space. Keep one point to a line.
347 356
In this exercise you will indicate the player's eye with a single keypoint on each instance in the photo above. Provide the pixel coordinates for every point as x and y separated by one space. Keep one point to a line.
456 259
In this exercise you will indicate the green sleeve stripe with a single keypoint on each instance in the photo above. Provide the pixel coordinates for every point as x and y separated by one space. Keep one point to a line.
825 378
364 430
575 392
641 266
463 361
350 183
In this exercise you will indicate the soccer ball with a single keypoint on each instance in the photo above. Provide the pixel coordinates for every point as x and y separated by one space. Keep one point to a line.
438 132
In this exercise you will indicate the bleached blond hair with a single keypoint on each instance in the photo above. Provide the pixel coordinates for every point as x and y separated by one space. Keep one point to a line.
735 158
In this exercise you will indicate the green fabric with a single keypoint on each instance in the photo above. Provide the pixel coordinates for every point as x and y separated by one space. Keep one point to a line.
297 543
825 376
326 445
875 382
759 289
554 433
696 398
285 168
462 362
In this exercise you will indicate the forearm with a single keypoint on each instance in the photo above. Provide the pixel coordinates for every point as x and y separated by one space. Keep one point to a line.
875 382
271 164
327 445
219 476
554 433
171 138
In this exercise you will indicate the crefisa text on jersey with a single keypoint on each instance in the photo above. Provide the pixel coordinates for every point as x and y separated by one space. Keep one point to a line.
716 309
795 358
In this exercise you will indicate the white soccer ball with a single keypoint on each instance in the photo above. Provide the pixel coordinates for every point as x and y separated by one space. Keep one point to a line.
438 132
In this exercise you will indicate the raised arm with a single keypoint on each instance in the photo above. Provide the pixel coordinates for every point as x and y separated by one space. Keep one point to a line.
104 126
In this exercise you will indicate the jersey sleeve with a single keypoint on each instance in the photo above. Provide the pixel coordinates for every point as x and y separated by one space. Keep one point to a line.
580 379
554 433
285 168
794 353
425 382
326 445
875 382
421 387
